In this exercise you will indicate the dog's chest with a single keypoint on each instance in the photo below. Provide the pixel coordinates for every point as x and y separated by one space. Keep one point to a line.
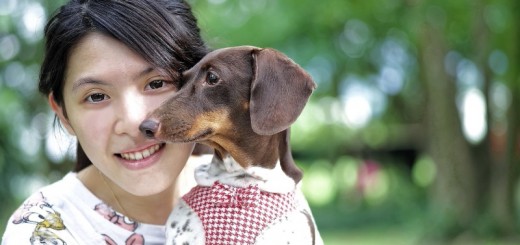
237 215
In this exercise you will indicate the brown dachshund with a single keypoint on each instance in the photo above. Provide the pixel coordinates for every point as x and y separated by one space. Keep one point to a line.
241 101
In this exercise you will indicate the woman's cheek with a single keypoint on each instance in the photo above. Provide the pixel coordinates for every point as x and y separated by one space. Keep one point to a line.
93 126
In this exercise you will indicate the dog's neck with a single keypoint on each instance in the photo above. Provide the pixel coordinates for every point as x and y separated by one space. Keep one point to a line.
229 172
259 151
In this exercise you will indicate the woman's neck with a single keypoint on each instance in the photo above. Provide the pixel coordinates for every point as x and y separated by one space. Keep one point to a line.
152 209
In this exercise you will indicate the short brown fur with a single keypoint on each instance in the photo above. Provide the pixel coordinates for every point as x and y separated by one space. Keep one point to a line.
240 101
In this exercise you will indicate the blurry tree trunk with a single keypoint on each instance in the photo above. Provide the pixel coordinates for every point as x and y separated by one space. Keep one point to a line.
496 174
505 170
454 192
471 183
483 161
504 173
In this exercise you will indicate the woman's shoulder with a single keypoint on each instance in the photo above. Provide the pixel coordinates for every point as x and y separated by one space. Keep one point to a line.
54 194
40 217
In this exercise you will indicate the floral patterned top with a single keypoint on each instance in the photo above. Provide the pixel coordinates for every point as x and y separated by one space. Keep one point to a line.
66 212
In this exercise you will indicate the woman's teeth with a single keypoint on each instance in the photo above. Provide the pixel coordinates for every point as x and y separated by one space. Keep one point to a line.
140 154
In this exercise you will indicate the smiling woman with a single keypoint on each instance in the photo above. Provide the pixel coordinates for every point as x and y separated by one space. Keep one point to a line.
107 81
107 65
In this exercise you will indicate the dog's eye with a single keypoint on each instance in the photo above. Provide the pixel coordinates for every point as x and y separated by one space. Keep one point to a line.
212 78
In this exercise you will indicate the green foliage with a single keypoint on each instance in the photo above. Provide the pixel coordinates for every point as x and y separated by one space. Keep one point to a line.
364 55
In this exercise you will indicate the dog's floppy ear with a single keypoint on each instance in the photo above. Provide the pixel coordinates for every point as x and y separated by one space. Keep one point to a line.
279 91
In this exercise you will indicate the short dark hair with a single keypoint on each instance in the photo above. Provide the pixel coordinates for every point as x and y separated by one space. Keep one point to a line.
163 32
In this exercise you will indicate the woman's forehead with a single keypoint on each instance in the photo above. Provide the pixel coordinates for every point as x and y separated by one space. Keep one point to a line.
98 55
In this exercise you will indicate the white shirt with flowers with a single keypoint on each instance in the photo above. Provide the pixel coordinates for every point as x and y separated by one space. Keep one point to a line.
66 212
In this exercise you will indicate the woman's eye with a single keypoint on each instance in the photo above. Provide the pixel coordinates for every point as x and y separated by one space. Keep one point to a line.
97 97
212 78
162 84
156 84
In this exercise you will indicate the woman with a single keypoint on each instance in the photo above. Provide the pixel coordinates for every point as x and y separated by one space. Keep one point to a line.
107 65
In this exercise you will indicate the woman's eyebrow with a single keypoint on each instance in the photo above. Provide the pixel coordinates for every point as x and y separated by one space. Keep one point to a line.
144 72
86 80
89 80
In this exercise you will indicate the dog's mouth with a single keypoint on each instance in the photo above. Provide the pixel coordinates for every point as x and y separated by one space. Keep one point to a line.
140 155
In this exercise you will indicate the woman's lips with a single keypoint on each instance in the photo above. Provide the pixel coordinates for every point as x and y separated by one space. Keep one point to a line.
141 159
138 155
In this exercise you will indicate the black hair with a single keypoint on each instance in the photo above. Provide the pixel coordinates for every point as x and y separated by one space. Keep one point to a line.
163 32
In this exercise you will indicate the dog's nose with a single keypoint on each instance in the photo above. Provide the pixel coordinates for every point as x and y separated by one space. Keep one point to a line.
149 128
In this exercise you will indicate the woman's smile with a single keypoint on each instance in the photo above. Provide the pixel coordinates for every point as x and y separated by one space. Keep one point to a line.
141 154
141 159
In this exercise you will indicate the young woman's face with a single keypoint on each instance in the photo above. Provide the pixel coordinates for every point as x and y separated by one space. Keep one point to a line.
108 92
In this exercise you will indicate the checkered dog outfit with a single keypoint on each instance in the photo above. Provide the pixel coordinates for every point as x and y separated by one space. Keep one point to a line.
234 215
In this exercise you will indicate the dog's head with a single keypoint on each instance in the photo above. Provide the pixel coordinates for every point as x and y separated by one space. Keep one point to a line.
233 94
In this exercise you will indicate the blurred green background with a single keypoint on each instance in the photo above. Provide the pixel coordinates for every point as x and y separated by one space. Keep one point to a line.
412 136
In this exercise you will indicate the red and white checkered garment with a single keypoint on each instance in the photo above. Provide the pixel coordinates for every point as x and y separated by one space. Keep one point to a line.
233 215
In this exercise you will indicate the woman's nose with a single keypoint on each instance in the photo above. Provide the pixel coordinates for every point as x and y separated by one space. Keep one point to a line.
131 113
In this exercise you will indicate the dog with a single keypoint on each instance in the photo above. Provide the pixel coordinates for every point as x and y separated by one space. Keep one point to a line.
240 101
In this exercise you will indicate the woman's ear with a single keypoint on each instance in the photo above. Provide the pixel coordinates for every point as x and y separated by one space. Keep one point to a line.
60 113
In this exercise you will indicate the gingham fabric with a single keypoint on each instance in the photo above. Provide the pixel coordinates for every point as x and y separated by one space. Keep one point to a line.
232 215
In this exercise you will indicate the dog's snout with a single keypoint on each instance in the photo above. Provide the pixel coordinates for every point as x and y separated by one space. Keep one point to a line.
149 128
